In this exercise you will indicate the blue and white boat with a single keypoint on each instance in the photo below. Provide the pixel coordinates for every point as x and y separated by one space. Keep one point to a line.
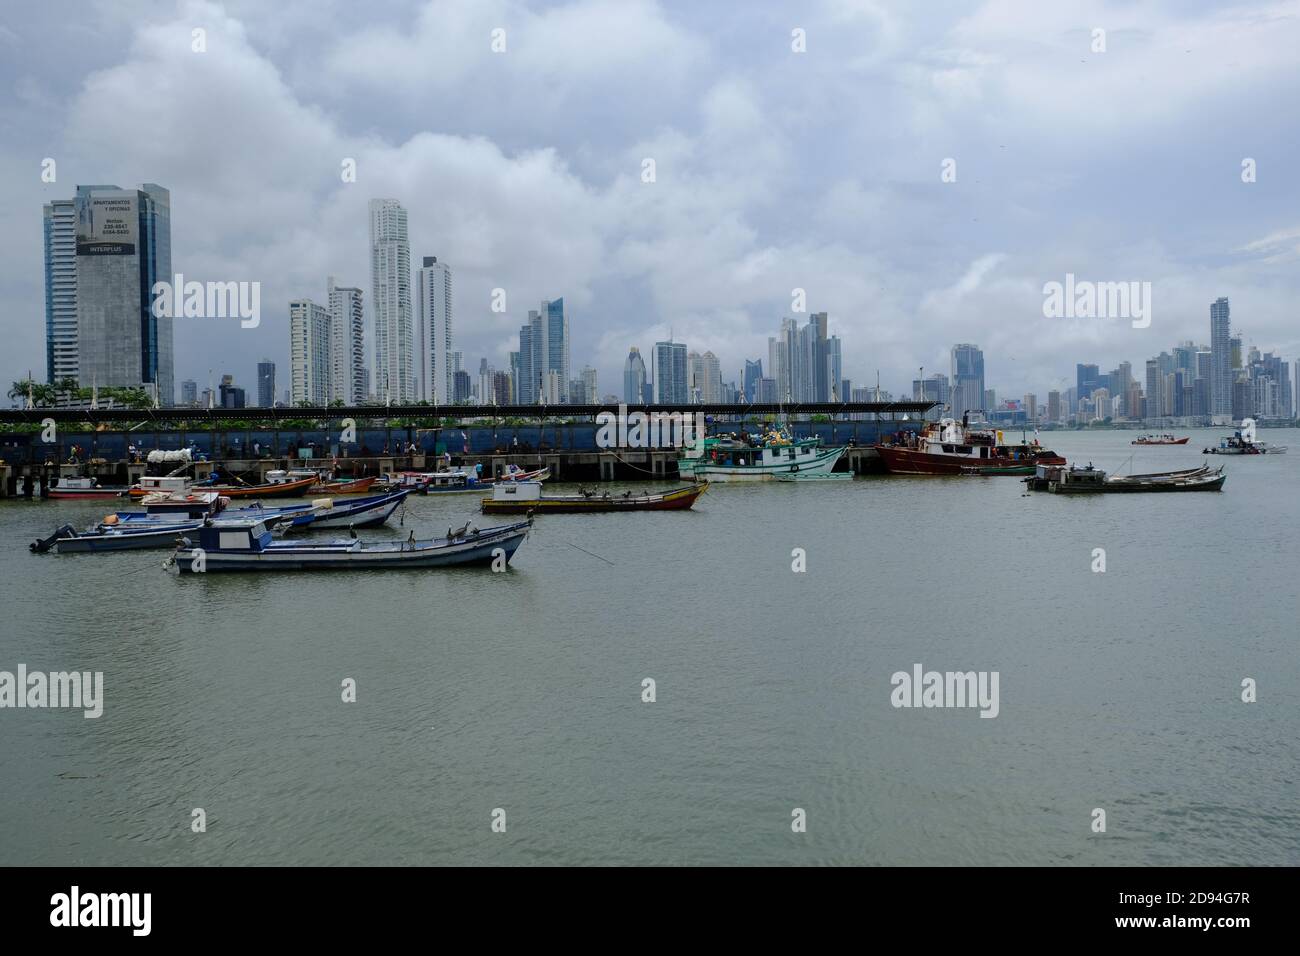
126 536
368 512
228 545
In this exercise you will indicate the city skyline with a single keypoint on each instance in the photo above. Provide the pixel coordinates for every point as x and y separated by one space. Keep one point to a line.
906 264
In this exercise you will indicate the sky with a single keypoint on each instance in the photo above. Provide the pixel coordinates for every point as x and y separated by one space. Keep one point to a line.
775 169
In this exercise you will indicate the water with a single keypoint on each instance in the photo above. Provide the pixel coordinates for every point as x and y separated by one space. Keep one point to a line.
522 691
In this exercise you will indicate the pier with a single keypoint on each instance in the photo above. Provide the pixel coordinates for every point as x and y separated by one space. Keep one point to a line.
112 445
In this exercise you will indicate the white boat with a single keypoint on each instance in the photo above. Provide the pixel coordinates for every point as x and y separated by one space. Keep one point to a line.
726 460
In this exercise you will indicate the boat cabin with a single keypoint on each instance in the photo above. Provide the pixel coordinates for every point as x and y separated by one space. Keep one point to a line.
234 536
517 491
165 484
198 505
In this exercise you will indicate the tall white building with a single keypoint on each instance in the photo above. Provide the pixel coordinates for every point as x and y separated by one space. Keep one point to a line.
433 316
390 303
706 378
347 344
309 352
61 290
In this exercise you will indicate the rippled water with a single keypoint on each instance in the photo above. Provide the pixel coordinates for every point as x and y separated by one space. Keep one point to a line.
522 691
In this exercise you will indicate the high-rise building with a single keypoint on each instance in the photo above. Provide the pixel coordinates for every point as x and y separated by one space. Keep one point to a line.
544 355
749 381
189 392
1221 376
671 375
634 377
1087 379
104 251
1031 407
1053 406
309 352
461 386
265 383
390 302
590 392
231 395
967 379
705 378
433 312
347 344
61 290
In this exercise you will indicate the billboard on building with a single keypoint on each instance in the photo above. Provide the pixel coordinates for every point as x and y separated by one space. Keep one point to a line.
108 224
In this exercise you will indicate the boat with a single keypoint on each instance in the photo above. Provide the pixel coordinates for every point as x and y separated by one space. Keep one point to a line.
771 457
1160 440
345 486
950 447
319 513
1238 444
515 473
525 497
85 488
224 545
115 536
1087 480
161 485
295 488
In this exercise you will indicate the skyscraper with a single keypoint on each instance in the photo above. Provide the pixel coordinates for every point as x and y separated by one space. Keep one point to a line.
433 311
60 290
390 279
347 344
189 392
544 355
1220 362
265 383
705 378
634 377
753 375
104 251
309 352
967 379
670 373
1086 379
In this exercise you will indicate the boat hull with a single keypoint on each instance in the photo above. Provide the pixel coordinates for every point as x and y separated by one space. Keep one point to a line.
483 549
161 537
907 461
679 499
355 486
820 465
358 513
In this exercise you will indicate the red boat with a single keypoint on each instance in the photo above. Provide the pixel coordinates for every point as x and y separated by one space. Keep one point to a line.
949 447
1159 440
346 486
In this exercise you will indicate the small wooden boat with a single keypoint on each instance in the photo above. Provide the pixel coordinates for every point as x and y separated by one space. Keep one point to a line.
346 486
515 473
525 497
275 489
1062 480
85 488
250 546
1159 440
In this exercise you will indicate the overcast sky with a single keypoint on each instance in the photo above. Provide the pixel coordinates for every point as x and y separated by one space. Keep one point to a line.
775 170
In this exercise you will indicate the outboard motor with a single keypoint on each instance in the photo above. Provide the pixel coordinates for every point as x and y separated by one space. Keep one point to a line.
43 545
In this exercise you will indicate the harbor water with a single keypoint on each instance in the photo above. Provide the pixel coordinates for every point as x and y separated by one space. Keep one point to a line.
519 696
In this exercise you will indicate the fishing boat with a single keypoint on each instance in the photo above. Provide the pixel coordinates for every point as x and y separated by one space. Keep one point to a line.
1063 480
525 497
250 546
115 536
85 488
295 488
950 447
515 473
1242 442
1160 440
770 457
346 486
319 513
161 485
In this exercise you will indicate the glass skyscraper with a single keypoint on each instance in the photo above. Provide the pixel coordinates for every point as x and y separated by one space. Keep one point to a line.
104 251
671 375
390 279
634 377
1220 361
967 379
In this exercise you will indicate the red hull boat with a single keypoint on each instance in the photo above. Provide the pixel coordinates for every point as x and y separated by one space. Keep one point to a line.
949 447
